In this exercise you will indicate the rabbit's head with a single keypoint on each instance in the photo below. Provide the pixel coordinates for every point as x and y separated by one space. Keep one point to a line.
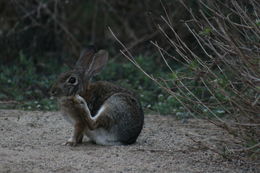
77 80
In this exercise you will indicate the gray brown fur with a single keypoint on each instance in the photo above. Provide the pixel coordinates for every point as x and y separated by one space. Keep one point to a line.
120 116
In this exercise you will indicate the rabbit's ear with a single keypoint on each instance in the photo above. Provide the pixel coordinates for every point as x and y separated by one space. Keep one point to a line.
86 58
98 62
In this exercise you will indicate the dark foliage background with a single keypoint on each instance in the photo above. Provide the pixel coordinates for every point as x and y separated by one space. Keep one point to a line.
39 39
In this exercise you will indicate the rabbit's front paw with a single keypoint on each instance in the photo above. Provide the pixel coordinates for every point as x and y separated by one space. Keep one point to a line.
71 142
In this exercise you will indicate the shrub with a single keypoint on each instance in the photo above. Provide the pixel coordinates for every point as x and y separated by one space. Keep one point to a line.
219 81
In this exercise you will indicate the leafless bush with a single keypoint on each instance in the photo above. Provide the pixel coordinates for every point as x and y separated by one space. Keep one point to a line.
222 81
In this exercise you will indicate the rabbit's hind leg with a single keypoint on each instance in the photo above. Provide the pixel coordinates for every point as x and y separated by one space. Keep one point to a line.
100 120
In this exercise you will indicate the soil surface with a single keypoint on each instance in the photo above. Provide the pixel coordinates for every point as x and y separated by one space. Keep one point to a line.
32 142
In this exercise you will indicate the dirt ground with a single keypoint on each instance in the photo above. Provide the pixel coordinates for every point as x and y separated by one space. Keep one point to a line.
32 142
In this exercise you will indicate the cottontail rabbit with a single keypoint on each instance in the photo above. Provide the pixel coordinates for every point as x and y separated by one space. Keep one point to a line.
106 113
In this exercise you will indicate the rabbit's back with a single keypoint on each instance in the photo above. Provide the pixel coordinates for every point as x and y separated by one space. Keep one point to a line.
122 108
98 92
126 112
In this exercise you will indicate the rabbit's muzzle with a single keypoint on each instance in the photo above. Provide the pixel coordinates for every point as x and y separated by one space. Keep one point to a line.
55 92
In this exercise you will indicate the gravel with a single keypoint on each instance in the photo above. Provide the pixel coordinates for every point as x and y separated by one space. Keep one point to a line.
31 141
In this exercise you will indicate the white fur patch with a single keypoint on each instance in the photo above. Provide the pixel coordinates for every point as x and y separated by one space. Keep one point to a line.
80 98
100 111
103 137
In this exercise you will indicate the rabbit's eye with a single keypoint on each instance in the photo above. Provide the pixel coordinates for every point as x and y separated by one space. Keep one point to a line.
72 80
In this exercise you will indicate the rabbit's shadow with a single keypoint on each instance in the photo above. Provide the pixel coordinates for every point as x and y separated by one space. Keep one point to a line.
87 143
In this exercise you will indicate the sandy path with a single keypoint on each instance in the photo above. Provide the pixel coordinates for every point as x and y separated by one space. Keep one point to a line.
31 142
